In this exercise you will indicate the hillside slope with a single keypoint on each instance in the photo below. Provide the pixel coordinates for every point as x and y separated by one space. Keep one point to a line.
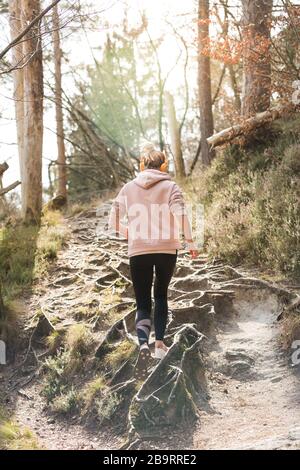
71 382
251 196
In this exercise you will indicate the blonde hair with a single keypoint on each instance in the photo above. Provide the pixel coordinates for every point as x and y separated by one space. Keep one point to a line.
152 158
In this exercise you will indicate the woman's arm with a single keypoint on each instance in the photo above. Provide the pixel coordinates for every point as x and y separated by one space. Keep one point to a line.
178 209
117 214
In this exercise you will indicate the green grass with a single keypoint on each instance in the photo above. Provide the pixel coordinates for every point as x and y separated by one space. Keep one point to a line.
119 354
67 403
251 197
93 389
25 252
109 297
54 340
106 406
57 370
79 340
77 206
15 437
76 346
63 389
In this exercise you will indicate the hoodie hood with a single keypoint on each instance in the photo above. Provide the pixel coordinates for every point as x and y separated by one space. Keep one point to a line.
148 178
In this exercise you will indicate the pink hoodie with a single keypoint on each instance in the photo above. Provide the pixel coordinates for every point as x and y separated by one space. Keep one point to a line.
155 210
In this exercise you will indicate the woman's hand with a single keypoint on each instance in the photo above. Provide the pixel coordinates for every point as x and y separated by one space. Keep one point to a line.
194 254
192 249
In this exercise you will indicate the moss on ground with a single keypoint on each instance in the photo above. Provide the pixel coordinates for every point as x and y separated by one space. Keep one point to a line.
27 250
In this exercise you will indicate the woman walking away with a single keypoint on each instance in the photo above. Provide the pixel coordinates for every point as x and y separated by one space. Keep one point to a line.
154 207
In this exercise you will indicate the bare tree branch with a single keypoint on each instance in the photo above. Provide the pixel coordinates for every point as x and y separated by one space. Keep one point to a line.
9 188
196 158
214 99
27 29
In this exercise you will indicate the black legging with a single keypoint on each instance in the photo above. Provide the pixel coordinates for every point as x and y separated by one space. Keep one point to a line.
141 268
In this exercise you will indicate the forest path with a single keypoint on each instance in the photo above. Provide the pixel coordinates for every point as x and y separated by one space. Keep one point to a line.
253 400
254 392
67 290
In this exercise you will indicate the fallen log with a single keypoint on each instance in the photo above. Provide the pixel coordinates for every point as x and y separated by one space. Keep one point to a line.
249 125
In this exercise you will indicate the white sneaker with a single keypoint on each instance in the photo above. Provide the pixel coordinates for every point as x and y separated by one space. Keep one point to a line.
160 353
142 363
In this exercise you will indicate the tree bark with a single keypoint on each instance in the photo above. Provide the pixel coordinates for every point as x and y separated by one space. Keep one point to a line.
224 24
249 125
61 159
204 82
18 81
33 116
175 136
256 55
27 28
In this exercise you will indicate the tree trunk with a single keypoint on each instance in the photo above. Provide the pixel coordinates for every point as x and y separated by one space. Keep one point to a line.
224 24
175 136
33 116
250 125
257 64
204 82
61 160
18 79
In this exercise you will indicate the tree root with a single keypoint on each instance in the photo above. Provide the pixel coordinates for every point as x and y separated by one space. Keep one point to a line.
167 396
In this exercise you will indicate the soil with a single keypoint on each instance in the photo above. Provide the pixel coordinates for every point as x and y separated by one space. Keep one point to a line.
252 391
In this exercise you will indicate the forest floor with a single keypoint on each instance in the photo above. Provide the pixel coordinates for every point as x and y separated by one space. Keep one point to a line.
252 391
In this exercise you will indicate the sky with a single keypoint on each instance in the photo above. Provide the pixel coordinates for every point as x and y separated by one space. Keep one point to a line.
77 48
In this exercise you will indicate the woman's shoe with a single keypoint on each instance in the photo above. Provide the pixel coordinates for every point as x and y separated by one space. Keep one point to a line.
160 353
142 364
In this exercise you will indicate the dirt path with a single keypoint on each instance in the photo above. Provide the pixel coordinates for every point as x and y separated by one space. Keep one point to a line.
255 400
253 392
69 288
